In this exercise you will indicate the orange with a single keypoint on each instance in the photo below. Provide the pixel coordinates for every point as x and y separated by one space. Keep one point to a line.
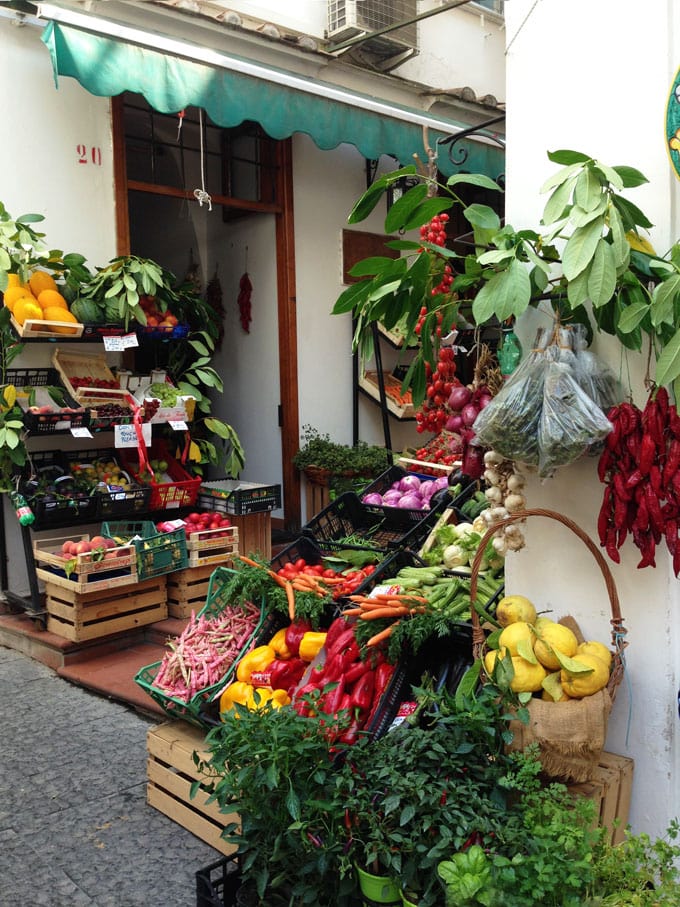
56 313
52 298
27 308
13 293
41 280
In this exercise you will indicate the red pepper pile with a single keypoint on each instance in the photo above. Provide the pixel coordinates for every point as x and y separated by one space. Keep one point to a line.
350 580
640 467
359 685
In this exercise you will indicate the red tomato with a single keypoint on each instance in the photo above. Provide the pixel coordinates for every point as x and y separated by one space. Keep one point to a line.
368 569
300 563
194 517
329 574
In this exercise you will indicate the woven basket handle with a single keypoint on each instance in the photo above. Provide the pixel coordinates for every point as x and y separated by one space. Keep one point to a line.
616 621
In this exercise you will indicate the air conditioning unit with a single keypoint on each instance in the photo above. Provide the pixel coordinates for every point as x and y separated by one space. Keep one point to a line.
351 18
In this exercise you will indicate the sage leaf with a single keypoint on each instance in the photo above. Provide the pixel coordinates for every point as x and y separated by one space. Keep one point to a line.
602 277
580 248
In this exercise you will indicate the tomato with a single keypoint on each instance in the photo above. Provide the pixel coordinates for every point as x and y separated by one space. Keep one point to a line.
194 517
329 574
368 569
300 563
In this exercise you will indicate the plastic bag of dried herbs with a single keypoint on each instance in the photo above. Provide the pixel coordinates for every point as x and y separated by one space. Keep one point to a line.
592 374
571 423
509 423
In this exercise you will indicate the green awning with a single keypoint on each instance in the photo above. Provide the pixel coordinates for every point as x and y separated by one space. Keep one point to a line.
282 102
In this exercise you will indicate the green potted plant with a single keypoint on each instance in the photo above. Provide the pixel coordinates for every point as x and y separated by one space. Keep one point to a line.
342 466
423 791
274 768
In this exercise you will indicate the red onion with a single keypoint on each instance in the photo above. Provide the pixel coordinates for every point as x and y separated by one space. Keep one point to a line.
440 483
373 498
469 414
427 489
410 501
409 483
484 400
391 497
453 423
459 397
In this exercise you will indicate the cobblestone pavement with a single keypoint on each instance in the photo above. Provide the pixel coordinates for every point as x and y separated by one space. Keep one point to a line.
75 828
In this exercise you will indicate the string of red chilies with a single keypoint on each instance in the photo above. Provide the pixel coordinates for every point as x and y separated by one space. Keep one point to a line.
640 468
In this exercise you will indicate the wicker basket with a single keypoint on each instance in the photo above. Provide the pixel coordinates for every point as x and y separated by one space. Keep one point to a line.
570 735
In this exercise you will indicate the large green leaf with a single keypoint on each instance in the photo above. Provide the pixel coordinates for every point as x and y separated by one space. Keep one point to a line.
577 289
558 201
668 363
587 191
367 202
632 316
663 299
473 179
482 216
579 217
618 235
565 156
631 215
609 174
350 297
376 264
496 256
580 248
425 211
602 277
506 293
630 177
561 176
402 209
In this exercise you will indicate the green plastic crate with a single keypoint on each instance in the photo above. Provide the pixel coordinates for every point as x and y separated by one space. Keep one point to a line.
191 710
157 552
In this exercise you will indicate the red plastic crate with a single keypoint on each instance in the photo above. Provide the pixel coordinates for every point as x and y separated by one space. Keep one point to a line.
182 491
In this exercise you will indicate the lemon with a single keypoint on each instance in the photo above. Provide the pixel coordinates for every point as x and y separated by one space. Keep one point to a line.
578 685
41 280
528 678
491 657
514 634
514 608
592 647
553 636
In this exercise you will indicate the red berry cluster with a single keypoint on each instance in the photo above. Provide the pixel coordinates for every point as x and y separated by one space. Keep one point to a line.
89 381
440 381
435 233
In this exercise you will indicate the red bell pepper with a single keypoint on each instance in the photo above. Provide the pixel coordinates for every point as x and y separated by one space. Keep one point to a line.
362 694
340 642
294 633
286 674
333 699
355 671
383 675
339 625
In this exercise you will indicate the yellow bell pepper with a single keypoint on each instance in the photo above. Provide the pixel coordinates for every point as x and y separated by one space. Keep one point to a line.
278 644
260 696
279 698
235 692
311 644
257 659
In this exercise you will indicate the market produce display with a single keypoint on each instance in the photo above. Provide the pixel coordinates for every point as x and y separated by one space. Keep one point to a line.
407 493
39 300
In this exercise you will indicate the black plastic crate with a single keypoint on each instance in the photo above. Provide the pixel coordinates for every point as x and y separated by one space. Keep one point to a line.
57 420
303 547
32 377
398 516
346 516
217 884
239 498
130 502
66 503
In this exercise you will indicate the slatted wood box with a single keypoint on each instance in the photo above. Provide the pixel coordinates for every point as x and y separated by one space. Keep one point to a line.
90 615
188 589
610 788
171 772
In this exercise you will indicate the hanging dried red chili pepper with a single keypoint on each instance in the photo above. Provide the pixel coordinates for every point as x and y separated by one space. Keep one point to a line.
640 467
244 304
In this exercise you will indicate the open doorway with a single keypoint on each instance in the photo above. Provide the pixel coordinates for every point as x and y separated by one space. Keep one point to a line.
239 221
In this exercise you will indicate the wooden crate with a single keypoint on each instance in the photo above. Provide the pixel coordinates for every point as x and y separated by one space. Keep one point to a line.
610 788
317 498
87 572
213 546
171 771
91 615
188 589
254 533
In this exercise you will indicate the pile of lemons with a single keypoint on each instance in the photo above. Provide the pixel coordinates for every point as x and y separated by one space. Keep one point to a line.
546 656
37 300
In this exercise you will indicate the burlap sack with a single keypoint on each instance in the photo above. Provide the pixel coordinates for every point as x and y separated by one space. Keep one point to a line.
570 735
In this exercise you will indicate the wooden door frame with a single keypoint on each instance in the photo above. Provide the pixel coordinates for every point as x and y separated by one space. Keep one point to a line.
285 284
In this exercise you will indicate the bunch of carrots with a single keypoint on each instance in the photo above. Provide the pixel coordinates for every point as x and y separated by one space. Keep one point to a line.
302 582
386 605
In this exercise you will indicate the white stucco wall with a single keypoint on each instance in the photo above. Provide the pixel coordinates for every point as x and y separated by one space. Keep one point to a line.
570 85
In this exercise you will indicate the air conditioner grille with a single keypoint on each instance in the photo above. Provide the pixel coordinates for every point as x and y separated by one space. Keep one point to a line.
347 17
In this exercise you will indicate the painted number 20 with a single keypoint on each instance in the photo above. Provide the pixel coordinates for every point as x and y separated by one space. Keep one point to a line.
91 155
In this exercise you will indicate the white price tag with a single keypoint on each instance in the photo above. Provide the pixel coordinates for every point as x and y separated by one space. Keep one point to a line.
81 433
116 344
178 426
126 435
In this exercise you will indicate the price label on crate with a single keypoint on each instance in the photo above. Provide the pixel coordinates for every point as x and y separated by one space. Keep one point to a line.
81 433
178 425
116 344
126 435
